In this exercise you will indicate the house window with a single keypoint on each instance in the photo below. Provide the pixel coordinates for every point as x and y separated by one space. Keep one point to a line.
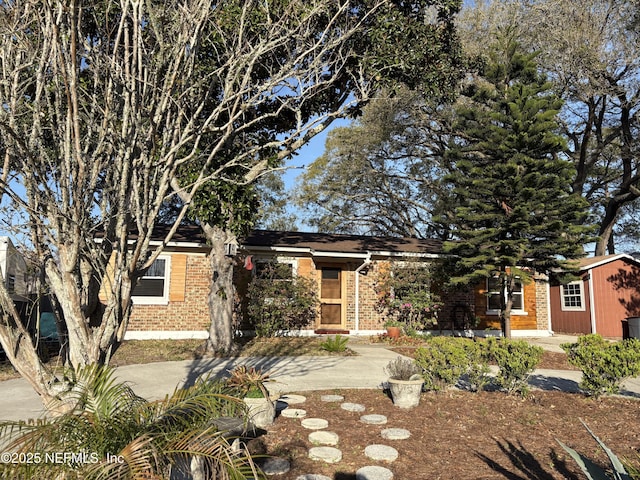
153 287
274 270
572 296
495 294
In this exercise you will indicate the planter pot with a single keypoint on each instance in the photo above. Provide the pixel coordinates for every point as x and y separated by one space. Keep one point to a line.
405 393
394 332
261 411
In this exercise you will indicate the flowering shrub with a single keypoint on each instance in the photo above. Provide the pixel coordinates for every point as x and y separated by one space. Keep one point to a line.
280 302
405 295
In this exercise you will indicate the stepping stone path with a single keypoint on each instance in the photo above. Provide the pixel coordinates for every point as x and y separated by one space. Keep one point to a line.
373 419
314 423
332 398
293 413
291 399
325 454
323 438
276 466
395 434
352 407
374 473
381 453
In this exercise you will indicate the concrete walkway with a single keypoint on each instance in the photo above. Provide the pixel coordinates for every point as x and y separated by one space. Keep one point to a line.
153 381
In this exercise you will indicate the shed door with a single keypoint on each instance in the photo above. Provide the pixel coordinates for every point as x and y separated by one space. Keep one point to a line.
331 298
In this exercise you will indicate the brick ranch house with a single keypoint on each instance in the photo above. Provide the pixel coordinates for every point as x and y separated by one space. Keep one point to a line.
171 300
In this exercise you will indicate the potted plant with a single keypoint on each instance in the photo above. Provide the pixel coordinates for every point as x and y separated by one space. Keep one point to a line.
394 328
405 382
250 381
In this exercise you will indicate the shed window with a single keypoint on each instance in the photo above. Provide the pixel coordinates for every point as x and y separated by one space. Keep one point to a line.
153 287
572 296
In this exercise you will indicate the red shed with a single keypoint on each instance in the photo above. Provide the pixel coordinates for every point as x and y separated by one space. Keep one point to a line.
607 293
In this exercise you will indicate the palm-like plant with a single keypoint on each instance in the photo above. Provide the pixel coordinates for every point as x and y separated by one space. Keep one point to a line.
108 432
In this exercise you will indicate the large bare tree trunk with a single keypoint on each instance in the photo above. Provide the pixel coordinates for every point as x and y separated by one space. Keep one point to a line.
222 292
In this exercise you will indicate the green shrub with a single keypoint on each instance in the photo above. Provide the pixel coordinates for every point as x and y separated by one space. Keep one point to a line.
605 365
516 359
442 360
335 344
478 366
279 302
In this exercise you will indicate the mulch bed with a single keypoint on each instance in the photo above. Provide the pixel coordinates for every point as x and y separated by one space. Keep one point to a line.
463 435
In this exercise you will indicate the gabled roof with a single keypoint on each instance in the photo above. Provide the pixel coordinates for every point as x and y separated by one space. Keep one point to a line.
340 244
593 262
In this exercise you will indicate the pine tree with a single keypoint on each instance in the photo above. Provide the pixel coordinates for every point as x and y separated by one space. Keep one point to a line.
515 211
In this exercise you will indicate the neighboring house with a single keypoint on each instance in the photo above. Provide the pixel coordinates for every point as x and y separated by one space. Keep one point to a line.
171 300
606 292
14 273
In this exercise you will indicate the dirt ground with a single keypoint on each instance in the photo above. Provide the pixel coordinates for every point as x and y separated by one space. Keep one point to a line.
464 435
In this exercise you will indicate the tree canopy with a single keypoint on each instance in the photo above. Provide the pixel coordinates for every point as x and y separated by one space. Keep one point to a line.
110 109
514 209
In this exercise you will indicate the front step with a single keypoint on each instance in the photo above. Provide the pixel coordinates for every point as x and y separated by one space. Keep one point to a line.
327 331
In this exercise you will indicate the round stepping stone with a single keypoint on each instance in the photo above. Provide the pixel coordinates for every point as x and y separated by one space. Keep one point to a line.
332 398
314 423
325 454
276 466
381 453
374 473
352 407
373 419
292 399
323 438
293 413
395 434
312 476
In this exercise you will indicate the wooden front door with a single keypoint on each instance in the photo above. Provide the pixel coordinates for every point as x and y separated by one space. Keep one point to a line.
332 298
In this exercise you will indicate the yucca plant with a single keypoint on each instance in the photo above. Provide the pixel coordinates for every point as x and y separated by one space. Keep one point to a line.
108 432
593 471
249 381
335 344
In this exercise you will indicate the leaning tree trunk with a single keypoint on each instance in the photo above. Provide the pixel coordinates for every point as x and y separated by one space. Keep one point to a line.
222 292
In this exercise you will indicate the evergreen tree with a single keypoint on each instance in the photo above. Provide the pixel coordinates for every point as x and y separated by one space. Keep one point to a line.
515 210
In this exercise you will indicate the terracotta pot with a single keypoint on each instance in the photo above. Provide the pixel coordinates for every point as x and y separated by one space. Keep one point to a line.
405 393
394 332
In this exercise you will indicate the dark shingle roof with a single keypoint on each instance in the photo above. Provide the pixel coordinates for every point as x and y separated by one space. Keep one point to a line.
339 243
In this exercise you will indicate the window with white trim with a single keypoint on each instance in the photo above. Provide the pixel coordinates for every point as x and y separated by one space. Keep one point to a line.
153 287
572 295
495 292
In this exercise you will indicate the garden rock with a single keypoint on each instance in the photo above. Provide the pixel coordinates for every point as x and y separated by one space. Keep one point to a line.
276 466
312 476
